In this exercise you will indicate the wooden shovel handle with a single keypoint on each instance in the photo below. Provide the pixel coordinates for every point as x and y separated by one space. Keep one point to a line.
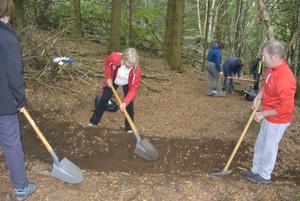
240 78
36 129
240 140
125 111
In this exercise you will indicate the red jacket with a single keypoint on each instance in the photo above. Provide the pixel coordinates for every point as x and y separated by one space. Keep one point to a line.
279 93
112 63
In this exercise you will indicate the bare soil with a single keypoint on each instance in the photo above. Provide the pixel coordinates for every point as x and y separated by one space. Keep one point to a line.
194 134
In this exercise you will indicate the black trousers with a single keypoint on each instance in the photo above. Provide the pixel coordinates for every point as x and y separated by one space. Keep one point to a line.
101 106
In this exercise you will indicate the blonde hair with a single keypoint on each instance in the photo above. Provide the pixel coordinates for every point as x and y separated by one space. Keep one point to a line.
7 8
130 55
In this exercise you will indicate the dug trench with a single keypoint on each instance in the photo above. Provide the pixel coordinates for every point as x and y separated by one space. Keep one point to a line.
107 150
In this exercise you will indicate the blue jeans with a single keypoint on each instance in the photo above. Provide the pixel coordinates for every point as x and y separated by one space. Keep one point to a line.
13 151
101 106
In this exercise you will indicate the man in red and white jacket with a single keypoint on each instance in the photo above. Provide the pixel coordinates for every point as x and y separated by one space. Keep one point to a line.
121 69
277 96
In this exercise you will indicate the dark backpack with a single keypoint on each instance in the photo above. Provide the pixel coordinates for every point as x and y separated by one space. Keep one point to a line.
111 106
250 94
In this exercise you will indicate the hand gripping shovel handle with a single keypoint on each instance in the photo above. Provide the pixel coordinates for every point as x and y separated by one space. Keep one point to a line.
240 140
125 111
40 135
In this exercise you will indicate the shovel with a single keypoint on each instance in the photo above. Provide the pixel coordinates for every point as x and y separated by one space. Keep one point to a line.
143 147
225 171
241 78
64 170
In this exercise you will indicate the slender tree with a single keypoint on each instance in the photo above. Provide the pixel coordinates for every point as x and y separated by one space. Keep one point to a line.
129 5
115 42
206 33
75 18
266 20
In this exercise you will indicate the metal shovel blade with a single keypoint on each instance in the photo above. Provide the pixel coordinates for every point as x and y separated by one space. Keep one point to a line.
146 150
67 171
222 174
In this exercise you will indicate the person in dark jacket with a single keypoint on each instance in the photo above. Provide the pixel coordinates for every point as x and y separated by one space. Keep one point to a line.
255 69
121 69
12 100
213 66
231 68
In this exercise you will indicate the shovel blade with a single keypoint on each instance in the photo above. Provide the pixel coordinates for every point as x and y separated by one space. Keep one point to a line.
146 150
67 171
222 174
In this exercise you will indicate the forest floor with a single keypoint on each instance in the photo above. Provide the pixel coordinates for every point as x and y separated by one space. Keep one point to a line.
194 134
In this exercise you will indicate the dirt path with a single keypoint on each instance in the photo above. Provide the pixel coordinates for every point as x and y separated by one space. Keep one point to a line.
194 134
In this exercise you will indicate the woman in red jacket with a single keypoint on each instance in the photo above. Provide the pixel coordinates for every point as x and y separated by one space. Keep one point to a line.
121 69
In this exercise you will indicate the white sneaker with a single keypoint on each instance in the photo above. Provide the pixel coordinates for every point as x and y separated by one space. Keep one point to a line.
90 125
23 193
129 131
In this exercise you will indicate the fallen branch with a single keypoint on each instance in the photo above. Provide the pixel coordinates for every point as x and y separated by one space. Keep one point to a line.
156 77
149 87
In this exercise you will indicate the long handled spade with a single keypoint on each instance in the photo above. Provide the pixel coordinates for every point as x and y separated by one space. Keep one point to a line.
241 78
64 170
225 171
143 147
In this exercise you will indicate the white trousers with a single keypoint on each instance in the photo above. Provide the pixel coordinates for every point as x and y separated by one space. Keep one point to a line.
266 148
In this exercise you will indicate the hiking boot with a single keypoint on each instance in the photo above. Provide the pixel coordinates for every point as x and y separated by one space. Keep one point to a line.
256 178
23 193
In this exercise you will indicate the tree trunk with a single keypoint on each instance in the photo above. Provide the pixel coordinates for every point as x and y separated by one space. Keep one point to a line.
18 21
129 21
114 42
237 29
199 18
211 18
266 20
206 34
173 34
75 17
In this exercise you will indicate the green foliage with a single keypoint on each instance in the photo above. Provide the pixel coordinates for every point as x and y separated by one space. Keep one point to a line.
146 21
58 14
283 18
95 20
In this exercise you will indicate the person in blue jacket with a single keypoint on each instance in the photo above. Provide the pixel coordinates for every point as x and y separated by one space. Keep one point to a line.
214 68
12 100
232 68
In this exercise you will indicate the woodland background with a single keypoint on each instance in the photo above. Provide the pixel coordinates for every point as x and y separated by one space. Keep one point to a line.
180 31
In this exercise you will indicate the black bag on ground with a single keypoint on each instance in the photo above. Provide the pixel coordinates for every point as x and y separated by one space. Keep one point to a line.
111 105
250 94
